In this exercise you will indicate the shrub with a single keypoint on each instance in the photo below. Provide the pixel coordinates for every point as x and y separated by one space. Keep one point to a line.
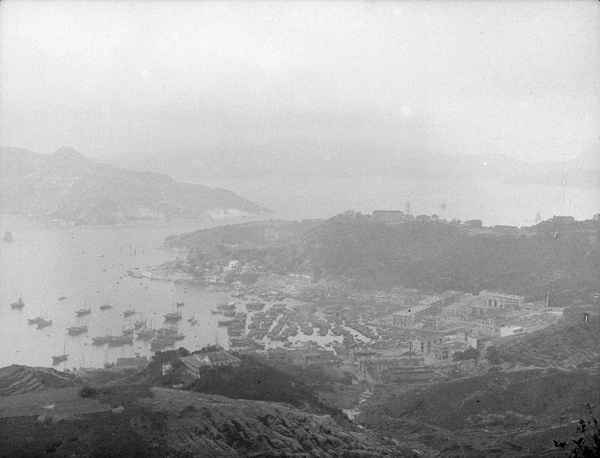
587 445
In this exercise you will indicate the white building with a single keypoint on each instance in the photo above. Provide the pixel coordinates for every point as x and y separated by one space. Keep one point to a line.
511 330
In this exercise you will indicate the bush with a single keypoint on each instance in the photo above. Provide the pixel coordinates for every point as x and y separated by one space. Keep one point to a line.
587 445
87 392
469 353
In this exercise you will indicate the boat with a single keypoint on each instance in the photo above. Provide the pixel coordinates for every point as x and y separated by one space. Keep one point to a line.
36 320
146 334
193 320
101 340
60 358
174 316
82 312
18 304
117 341
106 306
7 237
62 298
44 323
76 330
128 312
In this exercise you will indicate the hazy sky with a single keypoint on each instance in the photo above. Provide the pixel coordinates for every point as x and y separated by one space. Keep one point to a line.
300 78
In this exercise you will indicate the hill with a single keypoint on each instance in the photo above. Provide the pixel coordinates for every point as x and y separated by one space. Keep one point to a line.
24 379
127 419
561 254
68 186
539 386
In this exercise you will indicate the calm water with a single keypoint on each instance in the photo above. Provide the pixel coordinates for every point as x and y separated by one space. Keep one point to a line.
89 265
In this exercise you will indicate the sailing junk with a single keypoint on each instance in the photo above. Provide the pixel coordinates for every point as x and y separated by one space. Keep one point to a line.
36 320
60 358
19 304
76 330
173 316
44 323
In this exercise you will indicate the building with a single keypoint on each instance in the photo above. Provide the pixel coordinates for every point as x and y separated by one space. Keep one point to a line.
388 216
404 319
217 358
417 346
511 331
477 342
124 364
488 325
407 318
431 322
502 301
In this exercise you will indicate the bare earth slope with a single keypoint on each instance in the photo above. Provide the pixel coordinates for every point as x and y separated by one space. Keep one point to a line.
164 422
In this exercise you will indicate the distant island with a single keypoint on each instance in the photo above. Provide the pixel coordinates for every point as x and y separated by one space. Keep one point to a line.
68 187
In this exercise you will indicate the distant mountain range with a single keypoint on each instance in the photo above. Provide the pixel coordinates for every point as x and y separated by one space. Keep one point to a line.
70 187
346 161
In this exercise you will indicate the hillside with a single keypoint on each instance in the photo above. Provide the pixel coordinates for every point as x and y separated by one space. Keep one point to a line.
539 385
136 420
24 379
561 254
68 186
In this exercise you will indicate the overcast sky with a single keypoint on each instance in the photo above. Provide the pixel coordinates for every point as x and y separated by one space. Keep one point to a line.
134 78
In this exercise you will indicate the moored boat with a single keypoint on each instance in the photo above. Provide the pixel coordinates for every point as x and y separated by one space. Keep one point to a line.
44 323
36 320
174 316
77 330
18 304
100 340
117 341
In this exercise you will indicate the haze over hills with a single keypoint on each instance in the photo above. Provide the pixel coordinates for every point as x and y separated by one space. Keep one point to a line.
70 187
356 160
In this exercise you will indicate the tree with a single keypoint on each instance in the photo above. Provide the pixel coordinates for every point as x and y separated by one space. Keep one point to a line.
469 353
587 445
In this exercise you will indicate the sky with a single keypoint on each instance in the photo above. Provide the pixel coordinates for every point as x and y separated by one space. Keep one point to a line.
281 80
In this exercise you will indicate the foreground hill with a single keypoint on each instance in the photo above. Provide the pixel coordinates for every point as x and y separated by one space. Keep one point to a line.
535 391
560 254
70 187
159 422
24 379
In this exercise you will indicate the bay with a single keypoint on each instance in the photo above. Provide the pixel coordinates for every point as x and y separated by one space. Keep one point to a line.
89 266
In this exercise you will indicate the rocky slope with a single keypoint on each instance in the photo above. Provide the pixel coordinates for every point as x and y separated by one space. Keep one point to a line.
70 187
165 422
